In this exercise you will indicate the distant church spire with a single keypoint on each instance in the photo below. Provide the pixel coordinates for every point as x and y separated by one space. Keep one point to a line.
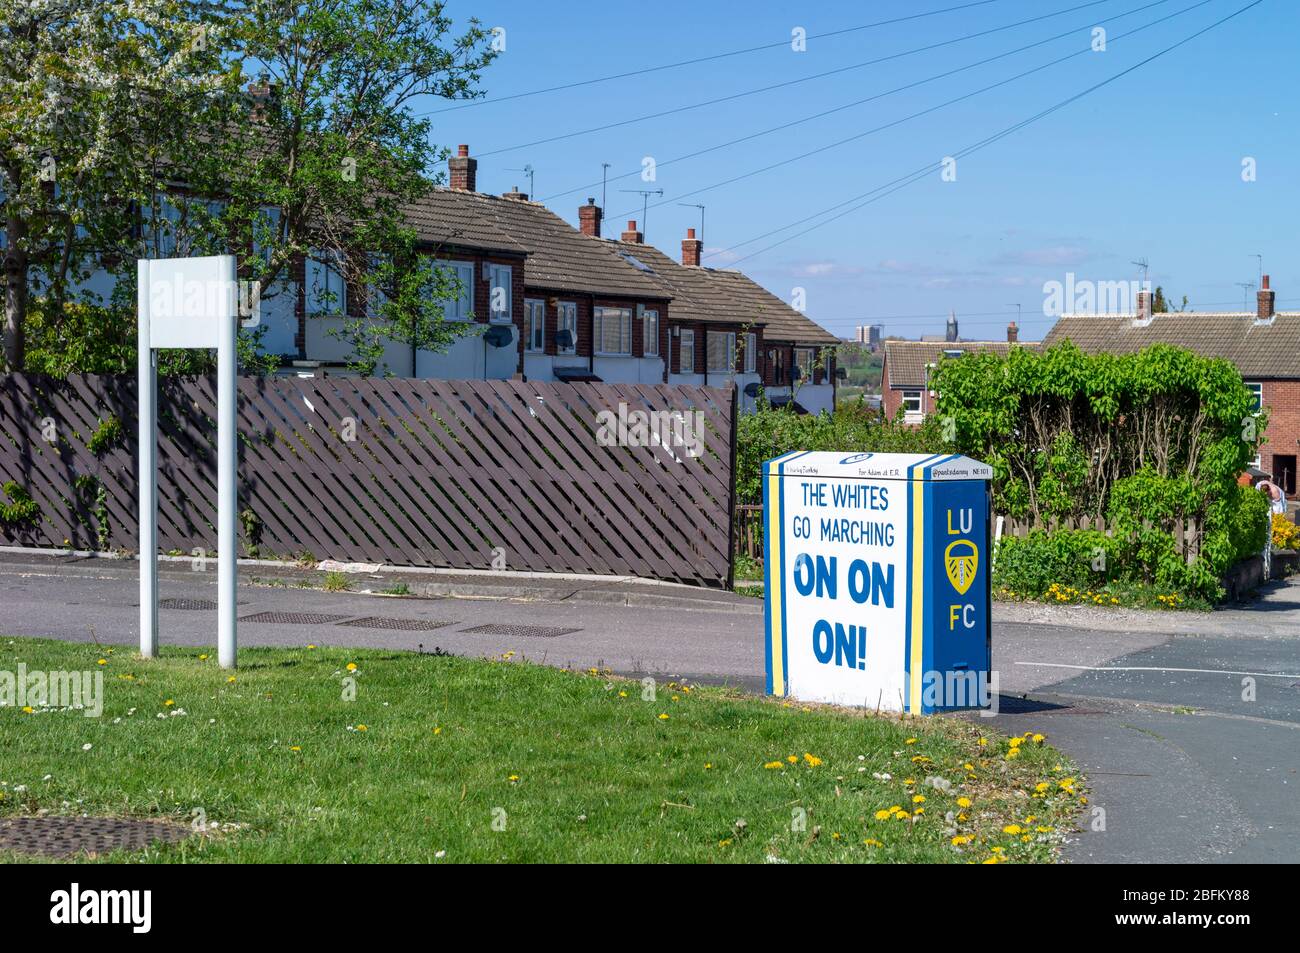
951 333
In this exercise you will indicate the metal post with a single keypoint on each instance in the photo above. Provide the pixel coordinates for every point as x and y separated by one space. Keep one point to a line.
148 474
227 500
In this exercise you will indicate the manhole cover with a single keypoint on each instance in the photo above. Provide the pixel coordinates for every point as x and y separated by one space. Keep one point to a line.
521 631
70 836
196 604
293 618
404 625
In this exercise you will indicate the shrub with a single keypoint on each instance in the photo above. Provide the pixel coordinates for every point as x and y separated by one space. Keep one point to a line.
1286 535
1030 565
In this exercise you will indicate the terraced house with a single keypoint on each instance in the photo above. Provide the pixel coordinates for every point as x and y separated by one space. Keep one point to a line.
564 303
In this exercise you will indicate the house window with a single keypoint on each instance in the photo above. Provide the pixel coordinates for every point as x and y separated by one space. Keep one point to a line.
803 359
458 285
568 321
912 403
751 353
687 351
535 312
1257 389
500 292
650 333
613 331
776 360
327 292
721 348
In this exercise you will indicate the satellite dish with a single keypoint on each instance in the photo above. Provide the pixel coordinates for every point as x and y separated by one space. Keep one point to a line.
500 335
752 389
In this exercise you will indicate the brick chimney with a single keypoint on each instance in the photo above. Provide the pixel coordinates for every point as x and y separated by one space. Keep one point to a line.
515 194
691 247
1143 317
262 93
589 218
632 235
1013 333
464 170
1266 298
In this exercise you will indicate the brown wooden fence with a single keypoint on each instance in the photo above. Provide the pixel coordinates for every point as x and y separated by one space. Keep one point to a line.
464 474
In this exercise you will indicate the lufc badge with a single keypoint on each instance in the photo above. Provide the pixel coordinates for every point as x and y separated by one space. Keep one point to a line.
961 566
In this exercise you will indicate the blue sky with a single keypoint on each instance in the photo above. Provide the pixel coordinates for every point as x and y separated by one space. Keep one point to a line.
1149 166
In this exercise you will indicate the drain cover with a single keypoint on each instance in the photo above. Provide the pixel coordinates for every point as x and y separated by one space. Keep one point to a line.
293 618
521 631
404 625
197 604
69 836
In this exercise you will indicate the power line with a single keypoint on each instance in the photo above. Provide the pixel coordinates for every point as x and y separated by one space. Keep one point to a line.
787 83
916 115
928 169
702 59
859 102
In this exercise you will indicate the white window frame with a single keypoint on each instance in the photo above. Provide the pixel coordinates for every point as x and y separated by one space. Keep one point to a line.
751 353
324 280
535 322
500 276
729 352
1257 388
650 332
686 346
913 413
599 316
567 320
460 308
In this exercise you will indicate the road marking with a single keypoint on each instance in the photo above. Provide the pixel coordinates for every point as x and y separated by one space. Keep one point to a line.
1154 668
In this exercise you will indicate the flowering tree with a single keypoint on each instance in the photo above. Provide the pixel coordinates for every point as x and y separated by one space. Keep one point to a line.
92 91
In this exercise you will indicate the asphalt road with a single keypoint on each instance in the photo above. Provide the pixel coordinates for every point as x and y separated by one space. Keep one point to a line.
1184 763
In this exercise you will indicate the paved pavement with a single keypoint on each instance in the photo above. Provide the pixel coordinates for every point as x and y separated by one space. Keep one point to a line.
1187 765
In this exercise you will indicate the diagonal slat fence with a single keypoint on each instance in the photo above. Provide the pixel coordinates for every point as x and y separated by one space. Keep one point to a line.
551 477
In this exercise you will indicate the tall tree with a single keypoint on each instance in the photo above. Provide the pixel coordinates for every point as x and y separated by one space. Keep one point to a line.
85 87
331 151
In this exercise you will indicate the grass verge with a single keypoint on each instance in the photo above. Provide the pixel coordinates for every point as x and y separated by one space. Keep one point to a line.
457 759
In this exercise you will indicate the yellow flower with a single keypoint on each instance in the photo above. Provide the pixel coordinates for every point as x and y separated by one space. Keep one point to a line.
1043 830
910 741
1012 829
983 742
352 666
883 815
622 694
295 747
1039 739
774 765
872 842
963 802
310 646
102 661
793 759
993 860
168 703
663 717
708 766
1016 742
230 680
28 709
812 759
918 798
437 729
513 778
1041 786
725 843
961 839
1013 753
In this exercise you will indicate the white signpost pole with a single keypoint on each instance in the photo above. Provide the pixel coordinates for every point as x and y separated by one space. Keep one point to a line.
227 462
148 471
189 303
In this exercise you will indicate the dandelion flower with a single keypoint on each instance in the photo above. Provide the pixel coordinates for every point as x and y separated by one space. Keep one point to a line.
963 802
